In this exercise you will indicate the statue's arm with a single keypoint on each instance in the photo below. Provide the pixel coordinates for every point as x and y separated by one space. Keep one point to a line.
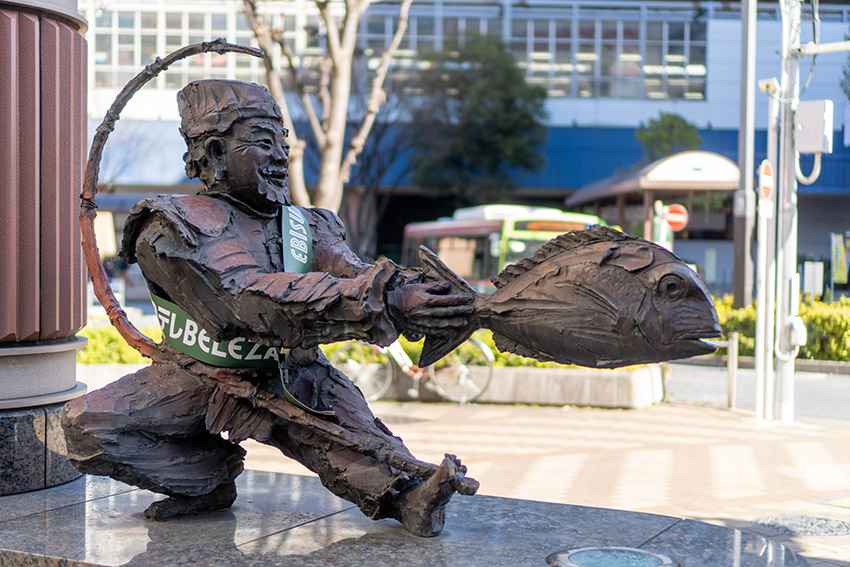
332 254
219 283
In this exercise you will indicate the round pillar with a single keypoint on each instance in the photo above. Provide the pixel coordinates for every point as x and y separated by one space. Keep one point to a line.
42 280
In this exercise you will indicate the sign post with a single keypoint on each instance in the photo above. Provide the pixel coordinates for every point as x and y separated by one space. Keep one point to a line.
764 337
667 220
838 273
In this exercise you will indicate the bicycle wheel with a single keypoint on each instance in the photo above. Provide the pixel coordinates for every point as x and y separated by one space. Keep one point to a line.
367 366
463 374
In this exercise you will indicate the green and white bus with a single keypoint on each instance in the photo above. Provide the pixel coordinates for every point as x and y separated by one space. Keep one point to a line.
478 242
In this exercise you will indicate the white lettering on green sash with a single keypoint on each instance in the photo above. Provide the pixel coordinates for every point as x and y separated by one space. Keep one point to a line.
184 334
296 241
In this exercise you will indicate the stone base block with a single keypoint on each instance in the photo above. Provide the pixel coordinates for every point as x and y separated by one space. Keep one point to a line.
32 450
292 520
621 388
618 388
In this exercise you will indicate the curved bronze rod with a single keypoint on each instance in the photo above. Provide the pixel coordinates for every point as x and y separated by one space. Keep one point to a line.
88 207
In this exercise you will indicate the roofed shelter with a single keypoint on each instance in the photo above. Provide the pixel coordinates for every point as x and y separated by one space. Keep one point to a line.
679 175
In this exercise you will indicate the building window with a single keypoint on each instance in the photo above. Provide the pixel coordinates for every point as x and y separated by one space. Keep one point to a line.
581 51
675 60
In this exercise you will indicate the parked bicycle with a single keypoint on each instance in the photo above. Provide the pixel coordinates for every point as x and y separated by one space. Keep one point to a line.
461 376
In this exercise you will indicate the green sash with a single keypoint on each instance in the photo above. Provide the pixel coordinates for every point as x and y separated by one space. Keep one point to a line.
184 334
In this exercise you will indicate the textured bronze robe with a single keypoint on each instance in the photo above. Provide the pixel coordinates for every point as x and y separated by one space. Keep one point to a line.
160 427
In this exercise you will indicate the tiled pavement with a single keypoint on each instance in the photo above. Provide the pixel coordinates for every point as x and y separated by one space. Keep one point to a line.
682 460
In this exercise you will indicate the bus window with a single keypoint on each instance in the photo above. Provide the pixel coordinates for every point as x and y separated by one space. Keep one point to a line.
466 256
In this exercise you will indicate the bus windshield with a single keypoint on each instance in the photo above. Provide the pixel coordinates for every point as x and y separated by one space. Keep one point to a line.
478 242
517 249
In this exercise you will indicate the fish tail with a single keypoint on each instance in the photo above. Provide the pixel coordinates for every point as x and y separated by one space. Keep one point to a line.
436 348
437 270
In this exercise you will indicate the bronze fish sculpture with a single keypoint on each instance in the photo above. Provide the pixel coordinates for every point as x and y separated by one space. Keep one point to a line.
595 297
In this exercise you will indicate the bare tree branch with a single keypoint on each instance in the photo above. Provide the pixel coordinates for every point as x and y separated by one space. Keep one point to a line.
376 95
263 32
325 68
331 32
306 101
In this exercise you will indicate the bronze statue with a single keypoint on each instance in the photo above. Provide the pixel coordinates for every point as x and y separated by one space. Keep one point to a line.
220 257
246 286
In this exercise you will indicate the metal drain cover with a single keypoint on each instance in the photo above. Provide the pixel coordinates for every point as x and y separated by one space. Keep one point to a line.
607 557
805 525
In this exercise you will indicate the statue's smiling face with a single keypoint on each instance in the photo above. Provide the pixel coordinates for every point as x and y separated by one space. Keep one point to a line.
257 161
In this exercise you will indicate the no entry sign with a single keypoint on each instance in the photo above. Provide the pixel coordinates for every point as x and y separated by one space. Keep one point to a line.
676 217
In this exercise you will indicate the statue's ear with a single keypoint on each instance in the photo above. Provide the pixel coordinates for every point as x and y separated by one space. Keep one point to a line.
214 152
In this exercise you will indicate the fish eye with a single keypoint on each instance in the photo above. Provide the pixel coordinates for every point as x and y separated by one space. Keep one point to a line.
672 287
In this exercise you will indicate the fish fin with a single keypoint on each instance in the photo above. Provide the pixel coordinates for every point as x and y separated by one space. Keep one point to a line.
437 269
562 242
604 306
436 348
505 344
632 259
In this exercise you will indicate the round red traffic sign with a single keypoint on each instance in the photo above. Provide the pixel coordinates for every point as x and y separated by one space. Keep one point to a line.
766 179
676 217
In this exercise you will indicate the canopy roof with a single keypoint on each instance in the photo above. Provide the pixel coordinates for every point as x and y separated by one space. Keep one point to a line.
680 173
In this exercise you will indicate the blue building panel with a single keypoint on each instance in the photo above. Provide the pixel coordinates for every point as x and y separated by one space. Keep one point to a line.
578 156
574 156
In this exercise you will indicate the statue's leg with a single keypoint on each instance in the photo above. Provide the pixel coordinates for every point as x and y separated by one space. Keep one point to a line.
379 490
148 429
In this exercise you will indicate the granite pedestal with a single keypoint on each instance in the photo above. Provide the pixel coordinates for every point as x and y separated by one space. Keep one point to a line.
35 382
291 520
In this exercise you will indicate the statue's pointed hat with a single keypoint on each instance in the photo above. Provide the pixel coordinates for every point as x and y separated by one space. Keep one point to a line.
213 105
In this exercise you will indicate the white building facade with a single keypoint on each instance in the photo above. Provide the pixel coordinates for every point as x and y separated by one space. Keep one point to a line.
608 66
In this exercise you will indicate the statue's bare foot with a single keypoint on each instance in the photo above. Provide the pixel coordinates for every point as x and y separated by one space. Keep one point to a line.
422 510
219 499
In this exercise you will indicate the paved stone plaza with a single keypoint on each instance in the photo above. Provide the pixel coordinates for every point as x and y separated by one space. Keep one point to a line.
673 459
681 460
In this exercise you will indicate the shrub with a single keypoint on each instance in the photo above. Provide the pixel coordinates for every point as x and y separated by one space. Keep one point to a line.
503 359
106 346
828 326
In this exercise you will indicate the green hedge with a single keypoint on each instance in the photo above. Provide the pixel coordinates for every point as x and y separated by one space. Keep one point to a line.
106 346
828 326
503 359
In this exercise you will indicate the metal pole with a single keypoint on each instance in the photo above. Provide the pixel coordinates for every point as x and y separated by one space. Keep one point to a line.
761 306
732 366
787 288
769 377
745 217
766 274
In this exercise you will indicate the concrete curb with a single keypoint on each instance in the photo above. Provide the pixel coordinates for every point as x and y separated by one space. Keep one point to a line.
749 362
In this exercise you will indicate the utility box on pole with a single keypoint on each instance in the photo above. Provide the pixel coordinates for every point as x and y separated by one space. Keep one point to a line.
813 121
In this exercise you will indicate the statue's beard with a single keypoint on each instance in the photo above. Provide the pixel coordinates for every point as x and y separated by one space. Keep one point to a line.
274 193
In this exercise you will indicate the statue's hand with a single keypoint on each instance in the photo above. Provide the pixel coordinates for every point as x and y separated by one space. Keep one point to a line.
429 308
